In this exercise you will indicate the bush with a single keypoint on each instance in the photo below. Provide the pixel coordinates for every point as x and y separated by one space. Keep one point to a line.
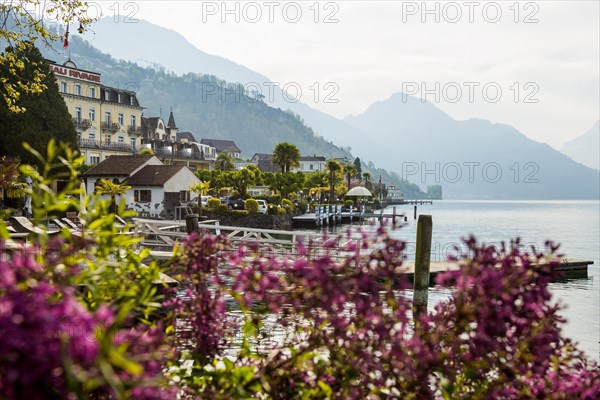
251 205
349 203
288 206
213 203
272 209
282 211
221 209
303 207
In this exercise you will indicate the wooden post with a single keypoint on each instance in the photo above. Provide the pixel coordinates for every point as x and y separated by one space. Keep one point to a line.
415 217
422 259
191 223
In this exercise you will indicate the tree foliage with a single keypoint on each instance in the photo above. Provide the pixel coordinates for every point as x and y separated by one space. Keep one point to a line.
334 168
47 116
286 155
22 23
224 162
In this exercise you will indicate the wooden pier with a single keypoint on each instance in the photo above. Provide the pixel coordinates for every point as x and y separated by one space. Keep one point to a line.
161 235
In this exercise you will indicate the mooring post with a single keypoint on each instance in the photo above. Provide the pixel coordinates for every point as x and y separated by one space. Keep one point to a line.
422 259
415 217
191 223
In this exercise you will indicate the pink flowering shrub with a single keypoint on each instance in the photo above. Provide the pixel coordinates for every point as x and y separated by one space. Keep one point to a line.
82 317
346 330
53 347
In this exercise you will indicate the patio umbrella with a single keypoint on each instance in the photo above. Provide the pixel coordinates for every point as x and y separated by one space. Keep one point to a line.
359 191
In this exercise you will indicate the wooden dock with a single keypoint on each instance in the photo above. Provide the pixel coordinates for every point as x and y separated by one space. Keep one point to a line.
161 236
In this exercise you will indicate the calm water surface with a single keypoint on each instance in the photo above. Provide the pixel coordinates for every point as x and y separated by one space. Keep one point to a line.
574 224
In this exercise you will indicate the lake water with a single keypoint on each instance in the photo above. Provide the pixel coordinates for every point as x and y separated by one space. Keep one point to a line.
574 224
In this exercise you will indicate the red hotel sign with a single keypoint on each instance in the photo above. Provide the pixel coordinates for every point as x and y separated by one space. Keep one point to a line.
73 73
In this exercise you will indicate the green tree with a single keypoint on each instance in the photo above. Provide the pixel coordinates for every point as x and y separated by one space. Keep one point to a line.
286 183
358 166
286 155
224 162
241 180
20 27
350 171
367 180
334 169
46 117
112 189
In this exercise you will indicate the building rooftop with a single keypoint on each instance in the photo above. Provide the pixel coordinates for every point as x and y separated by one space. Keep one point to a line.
154 175
222 145
119 165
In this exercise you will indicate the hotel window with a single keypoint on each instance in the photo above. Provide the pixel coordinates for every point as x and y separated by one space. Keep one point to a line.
107 139
121 139
142 196
92 114
106 95
92 92
119 97
63 87
131 100
133 121
91 136
133 144
94 159
77 90
107 117
78 114
120 119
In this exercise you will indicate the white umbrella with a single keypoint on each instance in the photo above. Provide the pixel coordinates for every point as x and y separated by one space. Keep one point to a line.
359 191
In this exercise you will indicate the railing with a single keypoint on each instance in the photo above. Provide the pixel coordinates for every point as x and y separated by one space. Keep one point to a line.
110 126
134 130
161 152
96 144
82 123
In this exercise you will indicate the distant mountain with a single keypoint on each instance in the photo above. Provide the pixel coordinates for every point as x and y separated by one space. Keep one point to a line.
470 159
585 148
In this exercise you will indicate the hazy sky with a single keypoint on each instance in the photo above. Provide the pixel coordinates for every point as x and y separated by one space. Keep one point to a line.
534 65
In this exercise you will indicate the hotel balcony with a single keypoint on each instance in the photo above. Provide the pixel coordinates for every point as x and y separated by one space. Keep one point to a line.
96 144
82 123
110 126
134 130
181 154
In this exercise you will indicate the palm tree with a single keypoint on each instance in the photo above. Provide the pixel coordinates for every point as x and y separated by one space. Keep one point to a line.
112 189
350 171
334 168
224 162
200 188
286 155
367 179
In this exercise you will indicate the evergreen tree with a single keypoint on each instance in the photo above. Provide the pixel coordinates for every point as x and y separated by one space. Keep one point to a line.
46 115
358 166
